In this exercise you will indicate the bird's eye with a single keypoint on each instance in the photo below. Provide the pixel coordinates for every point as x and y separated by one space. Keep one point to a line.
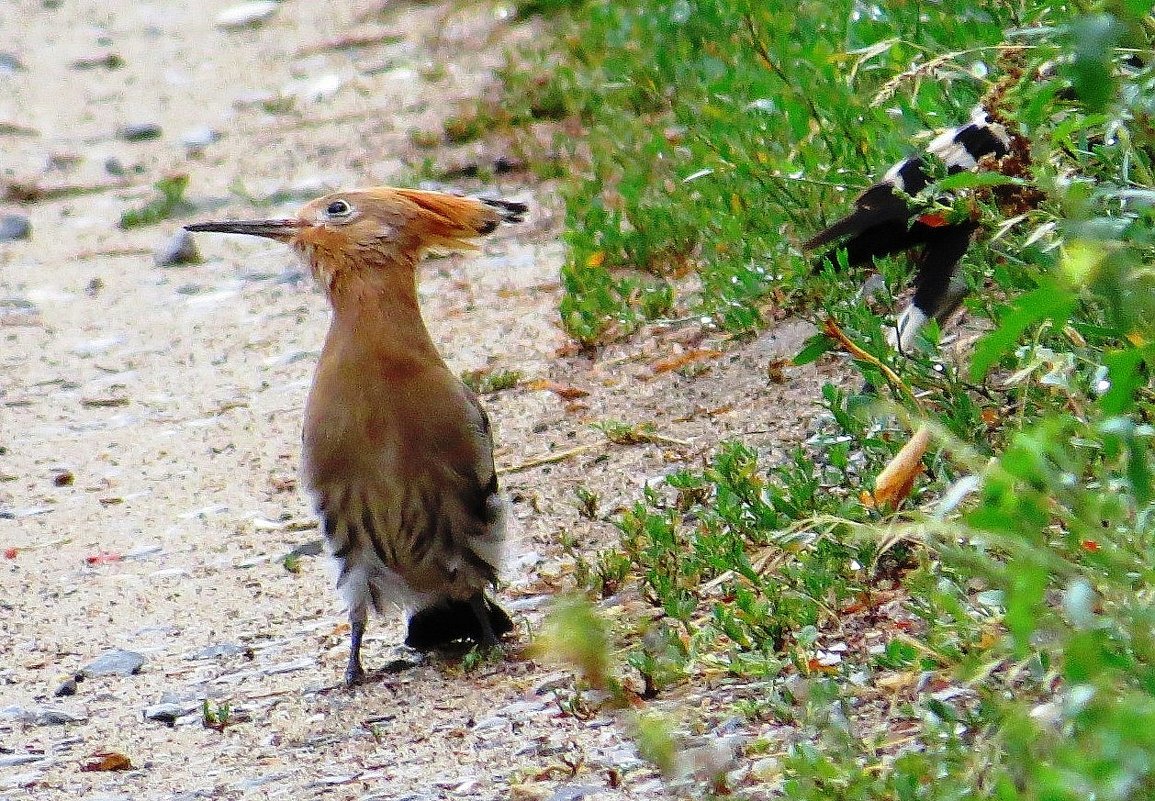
338 208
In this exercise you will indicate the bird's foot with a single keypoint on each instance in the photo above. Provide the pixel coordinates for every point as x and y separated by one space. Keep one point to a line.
354 673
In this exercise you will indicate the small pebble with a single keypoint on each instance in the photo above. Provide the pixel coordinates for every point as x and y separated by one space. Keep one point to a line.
249 99
63 162
200 138
180 248
41 715
144 551
17 713
494 722
551 682
169 713
289 667
310 548
66 688
50 716
113 166
63 478
139 132
21 306
98 346
729 726
529 791
246 15
254 782
323 88
15 226
9 64
116 662
171 572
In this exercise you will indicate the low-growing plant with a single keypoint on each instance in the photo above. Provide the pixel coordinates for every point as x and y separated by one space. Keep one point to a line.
217 715
171 203
718 134
485 381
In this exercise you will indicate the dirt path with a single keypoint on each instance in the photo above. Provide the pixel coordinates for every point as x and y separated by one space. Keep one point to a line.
149 421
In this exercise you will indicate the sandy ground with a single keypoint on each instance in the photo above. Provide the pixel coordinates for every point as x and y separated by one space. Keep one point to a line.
149 420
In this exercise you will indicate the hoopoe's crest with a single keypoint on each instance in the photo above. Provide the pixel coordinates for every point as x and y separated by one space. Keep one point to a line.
377 228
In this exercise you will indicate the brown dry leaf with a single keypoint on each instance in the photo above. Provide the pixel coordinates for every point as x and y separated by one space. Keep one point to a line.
682 359
776 370
814 666
896 480
567 391
107 760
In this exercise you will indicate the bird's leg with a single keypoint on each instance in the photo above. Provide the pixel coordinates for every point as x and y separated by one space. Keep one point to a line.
956 292
481 611
354 673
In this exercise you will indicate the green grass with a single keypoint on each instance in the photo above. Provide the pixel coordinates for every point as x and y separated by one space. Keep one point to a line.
718 135
715 134
170 203
486 381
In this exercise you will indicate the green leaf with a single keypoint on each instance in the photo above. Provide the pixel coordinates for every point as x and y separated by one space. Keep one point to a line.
1125 375
813 349
1049 302
968 180
1096 37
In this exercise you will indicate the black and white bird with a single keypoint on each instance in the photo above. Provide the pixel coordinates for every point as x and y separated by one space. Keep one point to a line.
885 221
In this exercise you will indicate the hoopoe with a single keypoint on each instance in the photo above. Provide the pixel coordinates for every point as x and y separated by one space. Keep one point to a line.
884 223
397 451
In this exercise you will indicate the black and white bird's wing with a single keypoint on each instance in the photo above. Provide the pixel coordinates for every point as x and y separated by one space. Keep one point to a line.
877 227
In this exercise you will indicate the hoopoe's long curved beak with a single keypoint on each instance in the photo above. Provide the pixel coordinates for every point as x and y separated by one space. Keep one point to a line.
281 230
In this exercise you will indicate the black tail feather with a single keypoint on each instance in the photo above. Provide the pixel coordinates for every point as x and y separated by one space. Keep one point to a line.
878 206
511 211
451 621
